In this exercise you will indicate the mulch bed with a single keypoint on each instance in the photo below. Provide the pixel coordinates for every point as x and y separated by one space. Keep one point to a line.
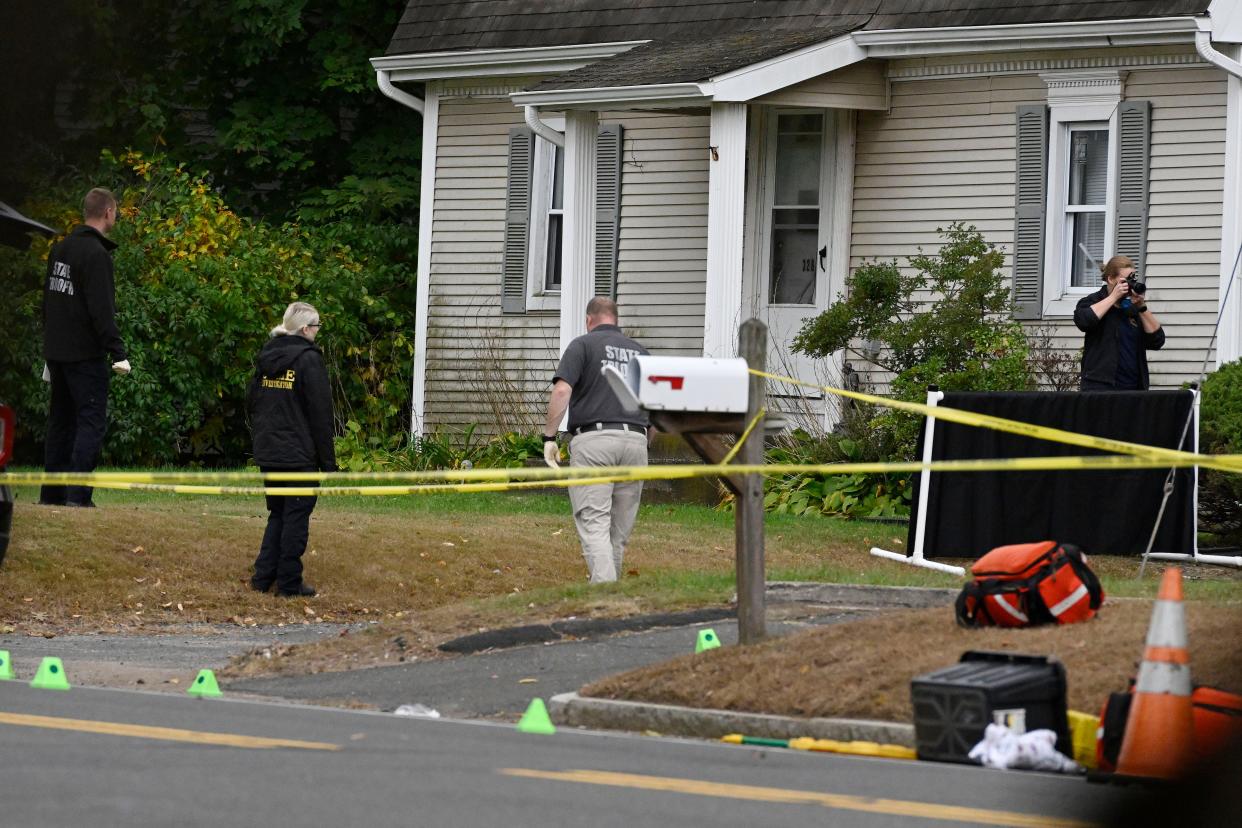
862 669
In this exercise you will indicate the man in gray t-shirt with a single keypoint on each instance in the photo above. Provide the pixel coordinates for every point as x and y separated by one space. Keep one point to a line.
602 434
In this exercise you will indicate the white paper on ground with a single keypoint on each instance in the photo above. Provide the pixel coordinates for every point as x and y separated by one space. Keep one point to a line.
1003 748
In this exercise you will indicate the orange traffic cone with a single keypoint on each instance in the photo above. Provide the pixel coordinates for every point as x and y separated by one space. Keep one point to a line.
1159 738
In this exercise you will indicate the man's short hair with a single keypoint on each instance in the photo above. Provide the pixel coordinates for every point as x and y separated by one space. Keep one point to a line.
602 306
97 202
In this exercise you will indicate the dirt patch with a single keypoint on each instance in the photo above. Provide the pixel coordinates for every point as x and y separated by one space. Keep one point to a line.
862 669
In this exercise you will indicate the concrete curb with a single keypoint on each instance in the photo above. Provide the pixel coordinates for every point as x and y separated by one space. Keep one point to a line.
573 710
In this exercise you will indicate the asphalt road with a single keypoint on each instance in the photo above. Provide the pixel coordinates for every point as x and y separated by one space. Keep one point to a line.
500 684
90 756
495 684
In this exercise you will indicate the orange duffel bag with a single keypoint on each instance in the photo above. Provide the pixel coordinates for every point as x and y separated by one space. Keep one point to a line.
1027 584
1217 723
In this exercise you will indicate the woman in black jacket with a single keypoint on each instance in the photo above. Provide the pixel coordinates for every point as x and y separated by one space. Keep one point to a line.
290 407
1120 329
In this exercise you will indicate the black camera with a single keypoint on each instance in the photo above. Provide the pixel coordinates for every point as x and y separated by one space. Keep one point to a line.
1135 285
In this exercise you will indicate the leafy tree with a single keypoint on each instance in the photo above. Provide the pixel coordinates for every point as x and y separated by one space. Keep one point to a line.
274 99
198 287
273 106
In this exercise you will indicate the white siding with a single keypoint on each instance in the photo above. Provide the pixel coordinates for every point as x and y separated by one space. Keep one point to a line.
483 367
860 86
662 252
493 369
945 152
1183 229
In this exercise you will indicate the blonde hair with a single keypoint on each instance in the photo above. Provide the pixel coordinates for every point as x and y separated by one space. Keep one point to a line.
297 316
1115 265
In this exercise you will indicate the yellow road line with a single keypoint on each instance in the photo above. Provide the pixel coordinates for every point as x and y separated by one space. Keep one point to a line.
892 807
170 734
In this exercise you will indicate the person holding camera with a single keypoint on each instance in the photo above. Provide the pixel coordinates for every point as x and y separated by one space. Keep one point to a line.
1120 329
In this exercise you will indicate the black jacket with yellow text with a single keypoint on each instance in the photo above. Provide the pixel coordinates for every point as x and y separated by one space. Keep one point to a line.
290 406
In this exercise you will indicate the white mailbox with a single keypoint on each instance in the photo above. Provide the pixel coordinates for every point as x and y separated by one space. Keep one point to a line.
662 383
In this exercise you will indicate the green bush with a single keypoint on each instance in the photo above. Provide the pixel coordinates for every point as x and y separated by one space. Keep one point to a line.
1220 432
436 450
843 495
946 321
198 287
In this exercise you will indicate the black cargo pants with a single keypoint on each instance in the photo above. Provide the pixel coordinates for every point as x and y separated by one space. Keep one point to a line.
76 424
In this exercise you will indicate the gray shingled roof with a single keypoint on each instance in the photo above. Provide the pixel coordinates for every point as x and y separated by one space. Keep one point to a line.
447 25
691 60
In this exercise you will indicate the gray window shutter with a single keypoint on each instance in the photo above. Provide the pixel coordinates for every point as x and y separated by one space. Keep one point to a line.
517 220
1031 200
607 208
1133 160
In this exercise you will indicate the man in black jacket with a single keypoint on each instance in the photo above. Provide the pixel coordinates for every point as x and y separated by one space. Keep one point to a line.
79 335
1120 329
290 407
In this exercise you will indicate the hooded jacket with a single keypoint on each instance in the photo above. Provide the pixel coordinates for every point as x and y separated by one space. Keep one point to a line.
79 299
290 406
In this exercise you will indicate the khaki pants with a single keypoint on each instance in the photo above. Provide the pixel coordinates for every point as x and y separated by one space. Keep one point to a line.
605 513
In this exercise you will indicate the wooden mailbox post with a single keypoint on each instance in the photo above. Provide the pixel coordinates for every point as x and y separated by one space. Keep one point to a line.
702 431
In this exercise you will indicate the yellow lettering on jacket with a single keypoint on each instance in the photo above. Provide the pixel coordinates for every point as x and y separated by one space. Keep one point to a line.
284 383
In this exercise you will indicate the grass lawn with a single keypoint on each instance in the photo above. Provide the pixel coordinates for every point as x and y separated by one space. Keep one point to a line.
147 559
431 567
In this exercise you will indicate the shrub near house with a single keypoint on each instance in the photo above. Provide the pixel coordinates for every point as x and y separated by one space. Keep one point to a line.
1220 432
943 321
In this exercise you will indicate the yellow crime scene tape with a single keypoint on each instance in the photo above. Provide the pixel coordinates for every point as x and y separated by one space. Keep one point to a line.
1125 455
1222 462
497 480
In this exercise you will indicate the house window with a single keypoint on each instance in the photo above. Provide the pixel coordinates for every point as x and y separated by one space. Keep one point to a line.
1081 202
799 145
1082 182
547 211
532 267
1087 203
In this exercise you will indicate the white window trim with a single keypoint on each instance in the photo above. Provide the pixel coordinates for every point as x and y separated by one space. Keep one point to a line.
1075 99
542 181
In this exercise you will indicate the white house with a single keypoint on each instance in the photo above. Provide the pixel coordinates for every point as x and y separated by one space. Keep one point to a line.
709 161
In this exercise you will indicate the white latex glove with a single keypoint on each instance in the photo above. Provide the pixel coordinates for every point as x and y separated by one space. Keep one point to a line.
552 454
47 375
121 367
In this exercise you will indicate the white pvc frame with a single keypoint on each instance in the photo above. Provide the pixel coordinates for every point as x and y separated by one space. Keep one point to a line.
1197 557
915 558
